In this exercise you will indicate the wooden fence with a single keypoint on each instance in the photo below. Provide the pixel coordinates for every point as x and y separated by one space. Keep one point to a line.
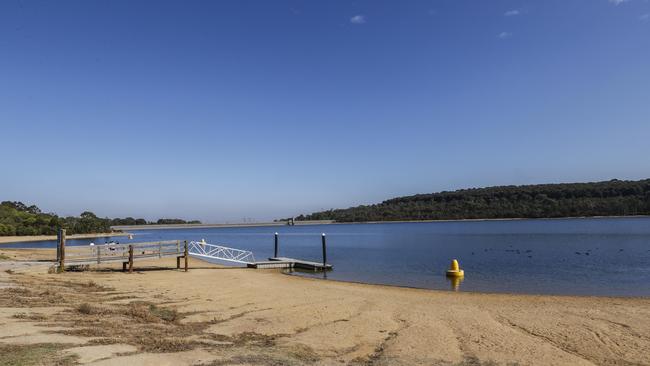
124 253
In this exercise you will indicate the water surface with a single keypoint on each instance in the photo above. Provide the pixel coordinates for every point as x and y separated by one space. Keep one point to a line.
568 256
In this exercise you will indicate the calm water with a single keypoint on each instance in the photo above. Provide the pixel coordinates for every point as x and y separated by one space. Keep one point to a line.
572 256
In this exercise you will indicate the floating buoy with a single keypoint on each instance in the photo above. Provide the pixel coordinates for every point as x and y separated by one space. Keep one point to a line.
454 270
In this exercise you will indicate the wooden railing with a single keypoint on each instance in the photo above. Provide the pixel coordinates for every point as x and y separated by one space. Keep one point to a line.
124 253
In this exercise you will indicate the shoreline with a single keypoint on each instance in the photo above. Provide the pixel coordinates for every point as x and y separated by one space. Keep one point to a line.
266 317
331 222
206 226
20 239
526 294
45 255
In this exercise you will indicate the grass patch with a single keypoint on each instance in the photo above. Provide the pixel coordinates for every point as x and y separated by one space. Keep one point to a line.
29 316
474 361
4 257
150 313
298 355
165 314
165 345
89 286
139 311
90 309
24 297
248 339
35 354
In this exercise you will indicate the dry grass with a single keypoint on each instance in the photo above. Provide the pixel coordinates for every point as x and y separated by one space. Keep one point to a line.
150 313
87 287
23 297
35 354
247 339
296 355
146 325
138 311
30 316
164 345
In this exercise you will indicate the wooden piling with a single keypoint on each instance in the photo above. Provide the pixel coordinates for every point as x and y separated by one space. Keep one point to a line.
130 258
324 250
186 255
275 251
61 250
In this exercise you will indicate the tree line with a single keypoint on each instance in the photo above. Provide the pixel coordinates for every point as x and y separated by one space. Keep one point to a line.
609 198
16 218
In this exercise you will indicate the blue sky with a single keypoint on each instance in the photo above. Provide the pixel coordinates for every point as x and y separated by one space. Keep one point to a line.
223 110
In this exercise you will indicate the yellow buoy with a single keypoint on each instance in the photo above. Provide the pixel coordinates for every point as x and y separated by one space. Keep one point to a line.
454 270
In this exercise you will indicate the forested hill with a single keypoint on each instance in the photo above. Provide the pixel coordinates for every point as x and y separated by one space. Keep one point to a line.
611 198
17 218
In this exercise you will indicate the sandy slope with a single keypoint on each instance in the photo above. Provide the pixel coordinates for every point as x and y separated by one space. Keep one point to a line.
241 316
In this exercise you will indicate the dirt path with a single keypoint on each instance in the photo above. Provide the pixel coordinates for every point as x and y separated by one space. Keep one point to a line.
219 316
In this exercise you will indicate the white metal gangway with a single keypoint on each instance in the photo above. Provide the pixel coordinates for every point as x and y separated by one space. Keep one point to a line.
212 251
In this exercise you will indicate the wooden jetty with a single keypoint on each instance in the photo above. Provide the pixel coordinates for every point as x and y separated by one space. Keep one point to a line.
284 262
127 254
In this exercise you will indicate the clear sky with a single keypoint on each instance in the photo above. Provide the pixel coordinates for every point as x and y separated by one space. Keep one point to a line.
221 110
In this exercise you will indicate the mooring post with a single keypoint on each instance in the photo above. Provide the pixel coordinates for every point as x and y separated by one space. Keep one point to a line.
61 250
131 258
324 250
275 252
186 255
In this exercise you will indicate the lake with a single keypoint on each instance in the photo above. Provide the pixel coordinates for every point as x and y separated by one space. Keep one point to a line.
565 256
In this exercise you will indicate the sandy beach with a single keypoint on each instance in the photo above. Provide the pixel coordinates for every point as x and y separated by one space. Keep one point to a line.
18 239
213 315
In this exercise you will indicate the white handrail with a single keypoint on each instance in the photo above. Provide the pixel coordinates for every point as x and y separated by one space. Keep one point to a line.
202 249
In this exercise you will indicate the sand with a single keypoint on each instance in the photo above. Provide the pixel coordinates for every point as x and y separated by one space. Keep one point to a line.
221 316
18 239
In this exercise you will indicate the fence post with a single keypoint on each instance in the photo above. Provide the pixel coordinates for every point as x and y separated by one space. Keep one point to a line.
61 250
186 255
324 250
58 245
275 252
131 258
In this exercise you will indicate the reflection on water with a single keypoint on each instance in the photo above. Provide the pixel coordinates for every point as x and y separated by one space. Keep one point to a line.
455 282
569 256
308 273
